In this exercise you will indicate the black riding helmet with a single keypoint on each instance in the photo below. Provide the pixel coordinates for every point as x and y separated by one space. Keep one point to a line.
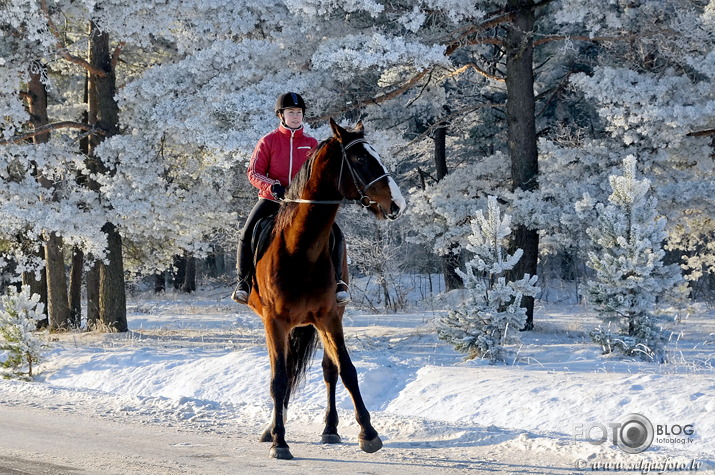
288 100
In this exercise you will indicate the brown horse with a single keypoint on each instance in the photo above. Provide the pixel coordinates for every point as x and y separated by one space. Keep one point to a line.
294 282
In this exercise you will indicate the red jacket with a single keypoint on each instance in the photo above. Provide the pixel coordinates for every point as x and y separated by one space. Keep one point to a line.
277 158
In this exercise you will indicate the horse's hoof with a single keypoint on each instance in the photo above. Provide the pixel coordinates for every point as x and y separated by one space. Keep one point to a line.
330 439
281 453
266 436
371 446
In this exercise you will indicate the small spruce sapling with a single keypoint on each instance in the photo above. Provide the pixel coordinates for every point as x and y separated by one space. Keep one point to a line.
630 278
18 322
491 316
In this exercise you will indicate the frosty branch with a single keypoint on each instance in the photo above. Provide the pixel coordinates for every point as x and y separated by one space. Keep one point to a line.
45 129
604 39
375 100
702 133
478 70
62 48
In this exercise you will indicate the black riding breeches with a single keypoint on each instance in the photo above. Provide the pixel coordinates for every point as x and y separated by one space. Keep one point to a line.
244 255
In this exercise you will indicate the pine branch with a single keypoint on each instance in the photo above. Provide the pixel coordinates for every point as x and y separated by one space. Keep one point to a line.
45 129
478 70
375 100
702 133
116 53
447 119
63 48
602 39
466 38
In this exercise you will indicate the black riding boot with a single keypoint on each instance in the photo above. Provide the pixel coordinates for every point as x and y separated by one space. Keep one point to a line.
244 270
244 253
342 292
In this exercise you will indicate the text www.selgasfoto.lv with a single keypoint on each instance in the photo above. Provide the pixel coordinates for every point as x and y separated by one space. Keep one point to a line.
644 465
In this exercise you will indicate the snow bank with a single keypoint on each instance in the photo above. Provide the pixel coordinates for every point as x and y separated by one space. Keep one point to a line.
209 366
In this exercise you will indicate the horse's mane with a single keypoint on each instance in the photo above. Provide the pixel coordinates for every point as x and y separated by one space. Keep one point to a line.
298 183
301 178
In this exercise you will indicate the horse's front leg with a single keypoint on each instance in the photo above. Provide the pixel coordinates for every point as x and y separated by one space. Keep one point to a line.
277 342
369 440
267 435
330 375
334 343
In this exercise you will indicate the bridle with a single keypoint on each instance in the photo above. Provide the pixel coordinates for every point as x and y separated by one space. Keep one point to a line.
364 200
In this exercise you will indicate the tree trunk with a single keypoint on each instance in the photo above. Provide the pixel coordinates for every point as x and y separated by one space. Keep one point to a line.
189 284
104 112
75 288
179 271
521 116
93 296
440 151
112 301
159 282
215 264
37 107
57 309
452 280
450 262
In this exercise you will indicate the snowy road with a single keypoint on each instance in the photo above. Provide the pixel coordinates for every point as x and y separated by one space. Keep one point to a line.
52 440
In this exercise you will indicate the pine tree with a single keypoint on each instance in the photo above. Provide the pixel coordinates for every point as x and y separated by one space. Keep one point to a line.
628 260
491 316
18 322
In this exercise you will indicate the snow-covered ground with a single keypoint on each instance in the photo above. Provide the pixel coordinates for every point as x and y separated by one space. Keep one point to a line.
198 362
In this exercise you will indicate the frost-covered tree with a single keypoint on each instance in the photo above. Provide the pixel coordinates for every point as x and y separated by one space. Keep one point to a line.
613 78
630 276
644 87
196 81
19 315
491 316
123 192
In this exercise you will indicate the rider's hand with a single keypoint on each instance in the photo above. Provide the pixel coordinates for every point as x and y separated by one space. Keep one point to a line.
278 191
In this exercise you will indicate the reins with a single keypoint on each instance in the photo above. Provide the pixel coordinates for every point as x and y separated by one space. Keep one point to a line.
364 200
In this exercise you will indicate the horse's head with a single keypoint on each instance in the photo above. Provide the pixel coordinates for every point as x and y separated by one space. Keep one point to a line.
364 177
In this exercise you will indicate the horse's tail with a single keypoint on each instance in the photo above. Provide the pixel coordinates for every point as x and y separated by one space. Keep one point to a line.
303 341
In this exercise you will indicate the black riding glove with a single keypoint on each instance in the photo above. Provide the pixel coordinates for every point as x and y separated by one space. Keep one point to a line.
278 191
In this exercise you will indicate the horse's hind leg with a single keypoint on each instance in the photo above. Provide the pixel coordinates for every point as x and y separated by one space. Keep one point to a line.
334 343
277 342
330 375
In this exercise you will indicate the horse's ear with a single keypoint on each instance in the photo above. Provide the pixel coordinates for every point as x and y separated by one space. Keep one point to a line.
359 127
338 131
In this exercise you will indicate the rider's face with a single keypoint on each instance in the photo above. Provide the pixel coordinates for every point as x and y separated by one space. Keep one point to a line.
293 117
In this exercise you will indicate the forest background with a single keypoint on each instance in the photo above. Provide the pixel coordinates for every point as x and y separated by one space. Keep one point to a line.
125 130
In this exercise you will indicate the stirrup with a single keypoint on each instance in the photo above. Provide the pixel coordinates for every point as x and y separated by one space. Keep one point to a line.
240 294
342 296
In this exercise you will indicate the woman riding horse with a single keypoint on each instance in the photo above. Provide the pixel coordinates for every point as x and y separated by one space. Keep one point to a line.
275 161
294 283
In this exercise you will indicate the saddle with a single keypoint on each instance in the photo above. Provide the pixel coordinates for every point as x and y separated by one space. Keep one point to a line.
262 234
260 238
